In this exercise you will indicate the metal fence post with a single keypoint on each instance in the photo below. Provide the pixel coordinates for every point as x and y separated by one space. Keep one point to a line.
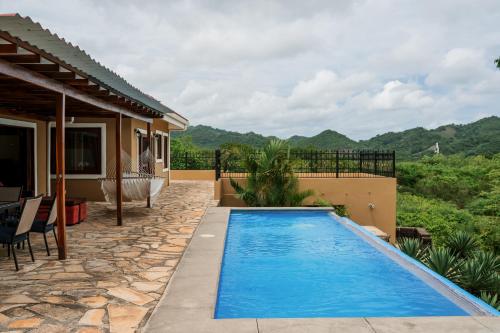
375 166
337 164
186 160
394 164
360 167
217 164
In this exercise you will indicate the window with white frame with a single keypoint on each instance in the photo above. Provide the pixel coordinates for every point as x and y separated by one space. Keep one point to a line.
158 148
85 150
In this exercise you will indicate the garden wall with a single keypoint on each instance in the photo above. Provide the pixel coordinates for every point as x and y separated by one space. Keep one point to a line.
192 175
357 194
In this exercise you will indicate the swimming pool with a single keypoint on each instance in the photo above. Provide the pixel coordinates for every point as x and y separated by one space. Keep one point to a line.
305 264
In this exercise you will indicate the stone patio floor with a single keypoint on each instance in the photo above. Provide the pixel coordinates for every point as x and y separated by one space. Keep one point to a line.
114 276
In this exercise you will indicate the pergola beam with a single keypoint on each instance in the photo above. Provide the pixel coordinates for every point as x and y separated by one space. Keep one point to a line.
42 68
40 80
8 48
21 58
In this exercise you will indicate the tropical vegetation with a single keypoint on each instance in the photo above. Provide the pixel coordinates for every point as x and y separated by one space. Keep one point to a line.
461 261
270 178
445 194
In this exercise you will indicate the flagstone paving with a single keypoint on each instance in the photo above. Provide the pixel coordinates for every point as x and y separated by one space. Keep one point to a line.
114 276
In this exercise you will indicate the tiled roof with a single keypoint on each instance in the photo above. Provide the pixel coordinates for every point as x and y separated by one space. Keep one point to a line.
28 31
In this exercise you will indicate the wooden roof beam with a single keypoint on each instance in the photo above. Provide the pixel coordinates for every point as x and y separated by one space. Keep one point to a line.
42 68
40 80
77 82
8 48
61 75
21 58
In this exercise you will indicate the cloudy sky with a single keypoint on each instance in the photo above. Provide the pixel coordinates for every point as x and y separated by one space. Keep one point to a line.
295 67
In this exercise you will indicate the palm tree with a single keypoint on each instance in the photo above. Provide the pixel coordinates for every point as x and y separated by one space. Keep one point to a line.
270 181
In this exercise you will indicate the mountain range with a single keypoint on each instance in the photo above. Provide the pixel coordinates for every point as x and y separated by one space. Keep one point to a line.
480 137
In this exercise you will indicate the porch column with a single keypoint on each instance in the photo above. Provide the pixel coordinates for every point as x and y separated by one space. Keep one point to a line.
150 167
118 167
60 177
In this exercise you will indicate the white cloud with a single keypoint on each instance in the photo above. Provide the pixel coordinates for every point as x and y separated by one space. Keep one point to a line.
295 67
398 95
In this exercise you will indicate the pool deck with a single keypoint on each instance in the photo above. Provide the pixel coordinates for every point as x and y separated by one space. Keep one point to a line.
188 303
113 277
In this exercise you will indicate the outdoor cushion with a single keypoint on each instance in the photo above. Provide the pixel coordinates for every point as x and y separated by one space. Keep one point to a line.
72 213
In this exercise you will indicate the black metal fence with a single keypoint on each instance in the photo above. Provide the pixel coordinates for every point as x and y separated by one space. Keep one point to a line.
307 164
203 160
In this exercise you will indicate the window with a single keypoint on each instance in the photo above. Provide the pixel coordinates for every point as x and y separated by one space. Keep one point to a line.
165 152
143 152
158 148
83 153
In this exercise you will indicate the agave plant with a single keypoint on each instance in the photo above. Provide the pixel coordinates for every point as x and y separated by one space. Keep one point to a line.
413 247
443 262
491 299
462 244
270 180
481 273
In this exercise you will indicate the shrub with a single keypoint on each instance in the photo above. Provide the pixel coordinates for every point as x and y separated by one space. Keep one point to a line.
443 262
412 247
491 299
481 273
440 218
461 244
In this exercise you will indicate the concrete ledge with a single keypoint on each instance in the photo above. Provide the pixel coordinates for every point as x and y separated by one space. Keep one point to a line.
188 303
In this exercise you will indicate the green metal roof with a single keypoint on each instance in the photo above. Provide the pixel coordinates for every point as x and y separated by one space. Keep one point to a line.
25 29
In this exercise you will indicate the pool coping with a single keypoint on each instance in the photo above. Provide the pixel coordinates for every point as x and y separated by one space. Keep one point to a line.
188 303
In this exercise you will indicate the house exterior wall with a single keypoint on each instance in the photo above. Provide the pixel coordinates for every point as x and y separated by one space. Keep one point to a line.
157 125
88 187
41 147
355 193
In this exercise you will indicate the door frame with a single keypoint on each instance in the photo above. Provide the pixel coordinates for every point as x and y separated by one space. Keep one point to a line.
26 124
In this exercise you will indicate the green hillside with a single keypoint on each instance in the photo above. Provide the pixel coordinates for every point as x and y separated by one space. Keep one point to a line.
325 140
211 138
480 137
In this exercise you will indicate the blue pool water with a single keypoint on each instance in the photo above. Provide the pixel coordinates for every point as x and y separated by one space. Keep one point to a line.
300 264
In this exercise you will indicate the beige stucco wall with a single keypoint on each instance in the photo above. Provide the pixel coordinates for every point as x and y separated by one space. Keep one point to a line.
192 175
158 125
355 193
90 188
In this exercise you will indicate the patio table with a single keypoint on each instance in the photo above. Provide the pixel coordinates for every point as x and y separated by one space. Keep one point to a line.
8 205
5 206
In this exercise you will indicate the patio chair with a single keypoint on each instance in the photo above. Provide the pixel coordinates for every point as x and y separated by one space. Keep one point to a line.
15 235
10 194
44 223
